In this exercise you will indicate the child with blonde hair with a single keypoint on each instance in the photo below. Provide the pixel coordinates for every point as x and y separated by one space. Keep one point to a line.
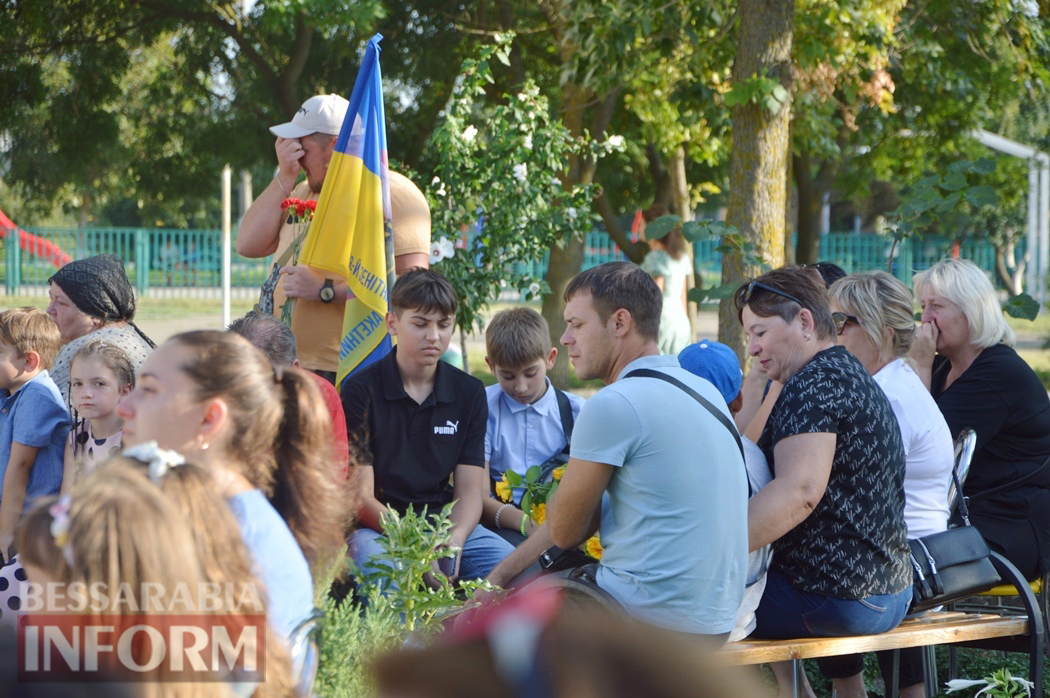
100 374
136 542
33 417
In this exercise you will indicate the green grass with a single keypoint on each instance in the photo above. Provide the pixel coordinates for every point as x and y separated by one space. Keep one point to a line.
153 308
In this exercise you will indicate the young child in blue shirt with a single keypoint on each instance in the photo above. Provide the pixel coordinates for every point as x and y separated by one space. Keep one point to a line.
524 426
718 364
34 421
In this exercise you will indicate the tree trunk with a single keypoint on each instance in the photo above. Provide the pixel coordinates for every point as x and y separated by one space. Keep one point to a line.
810 203
635 251
663 193
564 264
680 200
683 206
1011 272
759 159
814 188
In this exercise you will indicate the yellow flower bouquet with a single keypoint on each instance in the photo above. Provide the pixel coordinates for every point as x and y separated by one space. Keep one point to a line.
538 491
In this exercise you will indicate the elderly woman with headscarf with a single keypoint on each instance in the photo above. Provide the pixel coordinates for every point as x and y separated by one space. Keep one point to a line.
979 381
92 299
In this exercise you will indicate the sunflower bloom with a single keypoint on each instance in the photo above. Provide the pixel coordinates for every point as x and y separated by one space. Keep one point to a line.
539 513
503 489
593 547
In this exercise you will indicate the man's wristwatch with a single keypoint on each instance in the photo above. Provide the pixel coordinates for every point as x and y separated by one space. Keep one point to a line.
327 292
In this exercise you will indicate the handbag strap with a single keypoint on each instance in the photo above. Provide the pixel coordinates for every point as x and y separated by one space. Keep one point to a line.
650 373
567 421
1006 487
964 511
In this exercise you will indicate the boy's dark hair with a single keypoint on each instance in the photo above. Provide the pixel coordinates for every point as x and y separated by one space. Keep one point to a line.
829 271
29 329
517 337
425 290
269 334
616 285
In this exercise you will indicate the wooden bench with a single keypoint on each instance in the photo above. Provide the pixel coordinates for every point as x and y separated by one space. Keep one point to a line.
1012 632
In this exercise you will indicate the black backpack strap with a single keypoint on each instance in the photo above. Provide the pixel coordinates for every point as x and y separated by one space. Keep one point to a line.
567 420
650 373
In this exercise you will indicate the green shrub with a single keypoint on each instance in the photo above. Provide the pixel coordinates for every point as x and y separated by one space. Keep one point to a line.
392 607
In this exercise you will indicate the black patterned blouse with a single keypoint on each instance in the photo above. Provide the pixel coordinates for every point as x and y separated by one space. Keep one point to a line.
853 545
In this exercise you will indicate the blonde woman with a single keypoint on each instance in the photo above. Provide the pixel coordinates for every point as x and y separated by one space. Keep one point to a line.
873 315
979 382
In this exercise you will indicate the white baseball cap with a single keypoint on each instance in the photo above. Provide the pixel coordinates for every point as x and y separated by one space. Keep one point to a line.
320 114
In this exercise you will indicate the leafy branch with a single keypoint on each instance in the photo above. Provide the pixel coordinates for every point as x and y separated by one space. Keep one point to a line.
957 191
732 242
498 196
762 90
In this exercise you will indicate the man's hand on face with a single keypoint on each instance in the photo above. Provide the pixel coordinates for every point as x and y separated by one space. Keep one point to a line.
289 152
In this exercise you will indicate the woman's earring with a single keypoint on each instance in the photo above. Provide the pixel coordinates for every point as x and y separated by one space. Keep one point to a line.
805 337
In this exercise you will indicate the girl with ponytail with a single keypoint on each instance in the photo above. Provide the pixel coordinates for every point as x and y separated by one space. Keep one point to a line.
262 435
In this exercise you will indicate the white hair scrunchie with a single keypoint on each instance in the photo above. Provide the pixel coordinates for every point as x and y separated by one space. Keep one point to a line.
160 460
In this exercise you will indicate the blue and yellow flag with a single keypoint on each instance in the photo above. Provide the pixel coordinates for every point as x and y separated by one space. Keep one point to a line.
350 234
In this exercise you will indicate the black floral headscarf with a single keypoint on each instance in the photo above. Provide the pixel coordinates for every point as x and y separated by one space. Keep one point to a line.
99 287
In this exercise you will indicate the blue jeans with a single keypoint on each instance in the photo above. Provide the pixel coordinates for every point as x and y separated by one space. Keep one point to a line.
786 612
482 551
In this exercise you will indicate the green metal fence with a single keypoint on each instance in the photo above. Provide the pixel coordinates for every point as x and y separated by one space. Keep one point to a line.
158 261
189 262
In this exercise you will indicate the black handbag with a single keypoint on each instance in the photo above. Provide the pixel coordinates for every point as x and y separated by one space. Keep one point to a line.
950 565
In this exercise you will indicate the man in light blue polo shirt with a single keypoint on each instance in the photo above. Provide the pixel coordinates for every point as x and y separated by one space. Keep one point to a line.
674 529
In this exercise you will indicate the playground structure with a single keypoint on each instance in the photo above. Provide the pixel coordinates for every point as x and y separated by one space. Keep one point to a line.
33 244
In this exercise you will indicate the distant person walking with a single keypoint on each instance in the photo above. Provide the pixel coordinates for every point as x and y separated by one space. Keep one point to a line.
669 264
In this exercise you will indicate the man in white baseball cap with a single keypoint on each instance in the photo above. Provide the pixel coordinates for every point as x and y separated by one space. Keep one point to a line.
320 114
305 145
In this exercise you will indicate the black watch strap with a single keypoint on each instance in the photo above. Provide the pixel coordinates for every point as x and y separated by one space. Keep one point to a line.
327 292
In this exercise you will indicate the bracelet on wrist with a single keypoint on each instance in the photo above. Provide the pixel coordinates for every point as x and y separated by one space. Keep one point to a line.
277 178
500 511
524 523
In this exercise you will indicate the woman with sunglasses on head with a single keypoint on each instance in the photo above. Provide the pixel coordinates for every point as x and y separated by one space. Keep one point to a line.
979 382
873 318
835 508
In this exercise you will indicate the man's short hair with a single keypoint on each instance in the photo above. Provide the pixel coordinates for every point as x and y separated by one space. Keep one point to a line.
517 337
29 329
616 285
425 290
268 334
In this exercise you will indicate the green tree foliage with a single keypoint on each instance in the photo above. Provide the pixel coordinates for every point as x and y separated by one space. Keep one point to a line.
842 52
954 68
500 183
146 100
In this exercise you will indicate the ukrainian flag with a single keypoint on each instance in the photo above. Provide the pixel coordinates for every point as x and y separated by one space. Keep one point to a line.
350 234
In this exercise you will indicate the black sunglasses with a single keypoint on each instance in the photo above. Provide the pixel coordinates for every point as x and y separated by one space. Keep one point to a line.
840 320
750 291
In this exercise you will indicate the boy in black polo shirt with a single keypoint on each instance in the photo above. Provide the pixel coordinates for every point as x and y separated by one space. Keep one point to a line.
414 421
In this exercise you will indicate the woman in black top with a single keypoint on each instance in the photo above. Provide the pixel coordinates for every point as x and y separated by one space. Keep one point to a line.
980 382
